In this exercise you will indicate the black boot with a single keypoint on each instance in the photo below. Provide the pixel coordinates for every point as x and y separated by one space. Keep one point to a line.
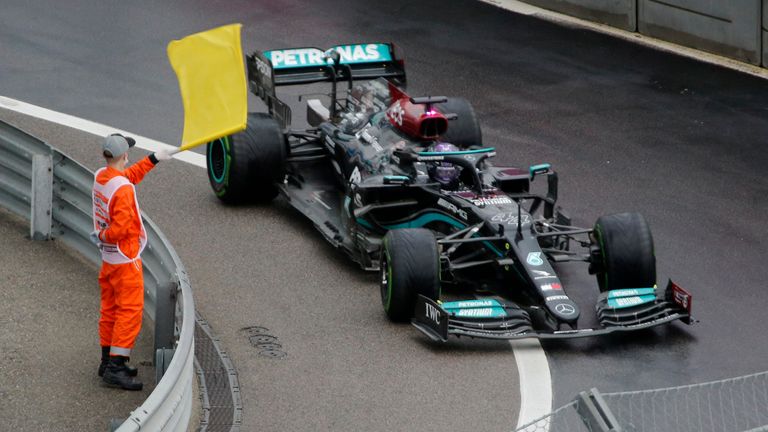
132 371
116 374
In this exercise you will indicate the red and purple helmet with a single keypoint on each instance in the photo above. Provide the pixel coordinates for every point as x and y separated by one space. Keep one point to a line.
445 173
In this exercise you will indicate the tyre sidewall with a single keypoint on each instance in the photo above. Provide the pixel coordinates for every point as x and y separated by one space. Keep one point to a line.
626 248
410 266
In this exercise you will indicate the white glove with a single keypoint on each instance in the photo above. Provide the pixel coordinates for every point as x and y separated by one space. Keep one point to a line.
163 155
95 239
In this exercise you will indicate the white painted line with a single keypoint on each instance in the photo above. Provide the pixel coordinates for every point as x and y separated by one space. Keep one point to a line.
96 129
640 39
535 381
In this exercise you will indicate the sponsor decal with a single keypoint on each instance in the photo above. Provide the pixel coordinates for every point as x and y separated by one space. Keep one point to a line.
534 259
552 287
363 53
631 292
355 177
478 312
296 57
543 275
565 309
432 313
681 297
510 218
472 303
348 54
452 207
624 302
262 67
488 308
492 200
431 158
395 113
557 297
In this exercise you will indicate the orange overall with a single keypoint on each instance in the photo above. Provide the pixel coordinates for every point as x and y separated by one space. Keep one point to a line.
117 219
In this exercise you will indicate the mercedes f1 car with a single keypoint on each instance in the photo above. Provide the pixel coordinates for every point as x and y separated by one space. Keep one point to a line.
405 187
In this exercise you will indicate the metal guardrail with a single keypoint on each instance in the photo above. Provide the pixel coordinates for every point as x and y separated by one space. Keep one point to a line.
729 405
41 184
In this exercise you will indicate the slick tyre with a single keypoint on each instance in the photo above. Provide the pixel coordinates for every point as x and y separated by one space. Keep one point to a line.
246 166
410 265
625 256
464 131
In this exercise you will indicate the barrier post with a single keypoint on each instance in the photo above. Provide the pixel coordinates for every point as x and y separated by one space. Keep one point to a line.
42 197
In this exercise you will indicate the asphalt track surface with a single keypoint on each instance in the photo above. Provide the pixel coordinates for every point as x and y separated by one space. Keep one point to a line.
628 129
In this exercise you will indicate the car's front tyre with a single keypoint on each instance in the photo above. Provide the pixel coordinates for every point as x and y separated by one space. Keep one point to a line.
622 252
410 265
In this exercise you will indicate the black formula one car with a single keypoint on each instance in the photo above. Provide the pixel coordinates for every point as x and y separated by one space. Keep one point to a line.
405 186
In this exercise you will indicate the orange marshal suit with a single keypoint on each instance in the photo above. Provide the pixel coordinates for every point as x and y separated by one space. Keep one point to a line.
117 219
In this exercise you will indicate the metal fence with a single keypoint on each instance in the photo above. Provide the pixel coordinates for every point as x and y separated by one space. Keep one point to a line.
41 184
731 405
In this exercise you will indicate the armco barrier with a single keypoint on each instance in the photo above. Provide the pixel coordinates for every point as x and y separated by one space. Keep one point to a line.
39 183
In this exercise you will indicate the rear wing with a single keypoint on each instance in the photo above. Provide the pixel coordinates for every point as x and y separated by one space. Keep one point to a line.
290 66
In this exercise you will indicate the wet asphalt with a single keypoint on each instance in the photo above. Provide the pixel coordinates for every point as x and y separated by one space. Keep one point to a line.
49 346
627 128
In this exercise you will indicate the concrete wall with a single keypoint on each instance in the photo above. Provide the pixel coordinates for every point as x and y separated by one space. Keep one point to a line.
765 32
729 28
616 13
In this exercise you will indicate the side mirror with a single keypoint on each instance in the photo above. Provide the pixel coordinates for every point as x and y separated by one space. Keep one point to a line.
535 170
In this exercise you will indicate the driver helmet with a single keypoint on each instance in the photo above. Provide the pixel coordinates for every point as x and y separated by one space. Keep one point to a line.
445 173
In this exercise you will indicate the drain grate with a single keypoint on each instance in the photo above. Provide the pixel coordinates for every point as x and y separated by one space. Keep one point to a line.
219 386
268 345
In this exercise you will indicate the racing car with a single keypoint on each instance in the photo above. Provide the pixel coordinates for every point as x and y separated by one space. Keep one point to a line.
405 186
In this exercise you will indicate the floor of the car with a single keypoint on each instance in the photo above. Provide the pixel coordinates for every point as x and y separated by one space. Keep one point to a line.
316 194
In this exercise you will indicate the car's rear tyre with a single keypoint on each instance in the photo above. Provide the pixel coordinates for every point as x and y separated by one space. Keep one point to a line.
246 166
464 131
623 254
410 265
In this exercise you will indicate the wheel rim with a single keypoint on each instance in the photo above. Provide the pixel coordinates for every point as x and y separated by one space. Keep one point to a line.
217 160
385 277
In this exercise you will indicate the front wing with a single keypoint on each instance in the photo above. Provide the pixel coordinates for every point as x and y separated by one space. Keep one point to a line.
437 323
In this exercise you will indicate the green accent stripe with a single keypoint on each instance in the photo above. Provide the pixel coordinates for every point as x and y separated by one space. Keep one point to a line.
631 292
219 142
457 153
427 218
628 302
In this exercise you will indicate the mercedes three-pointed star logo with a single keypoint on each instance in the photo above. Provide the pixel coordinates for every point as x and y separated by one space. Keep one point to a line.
565 309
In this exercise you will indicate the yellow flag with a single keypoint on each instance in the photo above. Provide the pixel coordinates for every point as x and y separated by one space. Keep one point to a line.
211 74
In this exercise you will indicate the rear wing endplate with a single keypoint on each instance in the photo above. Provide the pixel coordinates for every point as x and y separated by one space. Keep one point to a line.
289 66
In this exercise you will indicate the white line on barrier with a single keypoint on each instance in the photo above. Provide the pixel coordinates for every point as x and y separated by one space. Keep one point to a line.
533 369
96 128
